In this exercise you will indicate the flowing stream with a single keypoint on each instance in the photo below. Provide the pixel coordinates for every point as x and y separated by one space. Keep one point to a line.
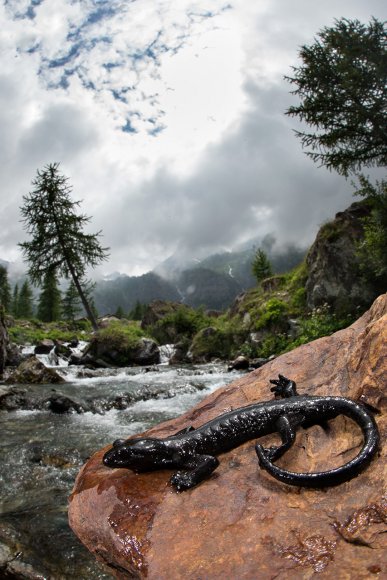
41 452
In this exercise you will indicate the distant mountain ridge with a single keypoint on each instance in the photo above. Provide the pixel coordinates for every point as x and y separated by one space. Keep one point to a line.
213 282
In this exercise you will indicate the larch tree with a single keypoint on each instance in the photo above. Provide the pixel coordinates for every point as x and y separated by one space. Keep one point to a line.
342 87
58 240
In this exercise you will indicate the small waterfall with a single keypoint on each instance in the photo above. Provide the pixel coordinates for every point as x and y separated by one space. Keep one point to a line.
166 352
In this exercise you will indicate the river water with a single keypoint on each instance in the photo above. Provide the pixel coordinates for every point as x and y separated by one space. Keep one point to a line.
41 453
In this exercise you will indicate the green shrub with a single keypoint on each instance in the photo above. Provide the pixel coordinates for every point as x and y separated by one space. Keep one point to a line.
320 322
272 313
184 322
120 335
222 339
298 300
31 332
273 344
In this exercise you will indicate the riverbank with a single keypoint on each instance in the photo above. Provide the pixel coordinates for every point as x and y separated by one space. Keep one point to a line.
42 451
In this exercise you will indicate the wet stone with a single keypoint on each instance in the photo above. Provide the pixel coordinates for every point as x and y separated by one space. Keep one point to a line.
240 522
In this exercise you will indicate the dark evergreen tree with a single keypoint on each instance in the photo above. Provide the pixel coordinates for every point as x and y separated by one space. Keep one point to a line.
261 266
49 305
71 304
119 313
15 301
58 240
138 311
5 289
342 86
25 304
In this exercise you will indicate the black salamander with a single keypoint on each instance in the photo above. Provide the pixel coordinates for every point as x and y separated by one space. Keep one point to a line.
193 451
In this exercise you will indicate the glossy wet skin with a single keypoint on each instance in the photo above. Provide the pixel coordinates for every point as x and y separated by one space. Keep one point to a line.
137 454
194 450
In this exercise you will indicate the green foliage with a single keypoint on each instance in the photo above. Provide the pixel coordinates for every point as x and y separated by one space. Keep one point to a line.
58 240
342 88
179 323
49 305
331 231
220 340
119 313
298 300
15 301
273 344
24 306
271 314
320 322
372 249
5 289
35 331
122 335
138 311
71 304
261 266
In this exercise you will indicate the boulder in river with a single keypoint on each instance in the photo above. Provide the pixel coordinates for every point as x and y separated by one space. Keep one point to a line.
32 370
44 346
241 363
240 522
104 352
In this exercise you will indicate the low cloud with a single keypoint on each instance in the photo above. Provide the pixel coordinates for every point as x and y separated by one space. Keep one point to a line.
168 118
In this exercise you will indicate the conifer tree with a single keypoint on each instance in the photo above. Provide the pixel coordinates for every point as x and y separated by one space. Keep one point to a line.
24 307
15 301
58 240
119 313
261 266
5 289
49 305
71 304
341 85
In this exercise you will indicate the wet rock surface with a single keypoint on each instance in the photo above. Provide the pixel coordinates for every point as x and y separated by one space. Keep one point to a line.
32 370
334 265
241 523
101 353
45 398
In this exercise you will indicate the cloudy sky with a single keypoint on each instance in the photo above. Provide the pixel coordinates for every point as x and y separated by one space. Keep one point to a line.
168 118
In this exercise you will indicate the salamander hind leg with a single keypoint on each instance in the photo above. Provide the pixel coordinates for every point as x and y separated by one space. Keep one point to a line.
288 435
198 468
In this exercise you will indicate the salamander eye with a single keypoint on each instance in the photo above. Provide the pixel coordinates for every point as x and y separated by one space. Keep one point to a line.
118 442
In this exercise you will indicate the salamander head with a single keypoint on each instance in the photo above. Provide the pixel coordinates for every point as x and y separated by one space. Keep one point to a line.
137 454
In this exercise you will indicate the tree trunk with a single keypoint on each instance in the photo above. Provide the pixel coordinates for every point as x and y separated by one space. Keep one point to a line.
83 298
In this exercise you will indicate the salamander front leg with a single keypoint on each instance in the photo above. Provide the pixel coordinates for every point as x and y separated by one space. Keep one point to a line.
198 468
288 436
284 388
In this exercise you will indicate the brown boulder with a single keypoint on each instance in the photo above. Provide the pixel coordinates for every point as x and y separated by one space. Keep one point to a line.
241 523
